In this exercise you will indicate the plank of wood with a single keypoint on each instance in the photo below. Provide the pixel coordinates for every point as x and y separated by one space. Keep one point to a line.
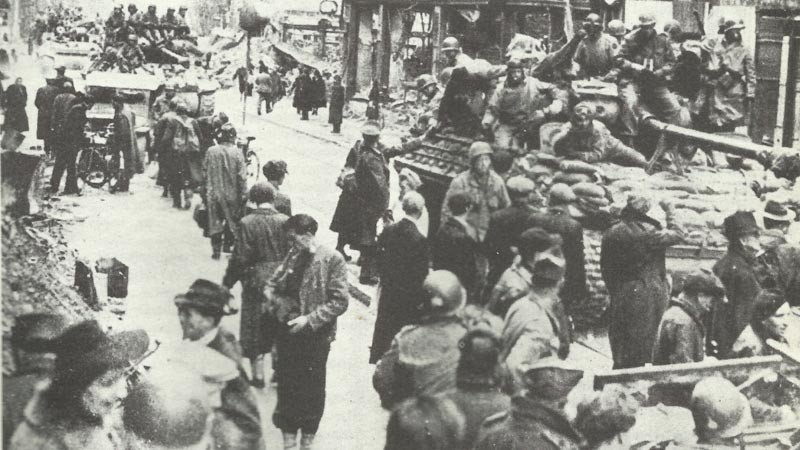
784 75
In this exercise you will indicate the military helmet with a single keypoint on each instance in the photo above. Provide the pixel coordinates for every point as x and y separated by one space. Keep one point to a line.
719 409
647 20
731 24
616 28
450 43
671 25
479 148
445 292
424 81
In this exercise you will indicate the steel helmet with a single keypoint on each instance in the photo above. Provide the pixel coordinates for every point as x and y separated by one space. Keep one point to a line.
732 24
479 148
616 28
450 43
424 81
719 409
445 291
671 25
647 19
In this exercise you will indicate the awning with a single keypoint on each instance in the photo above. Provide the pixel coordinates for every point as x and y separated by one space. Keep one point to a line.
300 56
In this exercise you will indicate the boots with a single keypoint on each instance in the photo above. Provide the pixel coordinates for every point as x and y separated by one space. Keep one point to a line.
307 441
290 440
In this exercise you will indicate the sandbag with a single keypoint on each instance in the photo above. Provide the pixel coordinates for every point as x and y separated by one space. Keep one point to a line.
571 178
585 189
572 166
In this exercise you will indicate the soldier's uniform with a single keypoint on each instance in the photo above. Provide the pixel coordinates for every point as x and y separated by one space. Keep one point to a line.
132 56
599 146
596 57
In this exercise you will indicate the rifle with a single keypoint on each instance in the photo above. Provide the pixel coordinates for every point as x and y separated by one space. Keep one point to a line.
699 22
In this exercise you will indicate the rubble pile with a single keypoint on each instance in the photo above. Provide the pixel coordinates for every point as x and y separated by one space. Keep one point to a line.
37 274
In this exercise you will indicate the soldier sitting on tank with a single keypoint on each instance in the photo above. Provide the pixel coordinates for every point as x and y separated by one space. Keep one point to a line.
519 105
115 27
457 109
429 95
181 26
150 23
131 56
585 139
134 21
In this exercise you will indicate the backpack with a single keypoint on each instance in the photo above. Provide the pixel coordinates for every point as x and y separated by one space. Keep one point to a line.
186 139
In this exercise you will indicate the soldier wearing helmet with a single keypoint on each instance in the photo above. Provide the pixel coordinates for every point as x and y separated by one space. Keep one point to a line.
721 413
422 359
169 17
519 106
131 55
646 61
616 29
429 95
732 80
115 26
484 186
454 57
596 52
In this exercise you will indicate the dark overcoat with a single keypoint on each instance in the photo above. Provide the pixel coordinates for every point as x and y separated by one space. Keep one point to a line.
345 217
505 227
632 262
372 190
261 245
16 99
477 401
237 424
45 97
61 106
403 266
455 250
336 107
681 334
303 93
737 273
169 162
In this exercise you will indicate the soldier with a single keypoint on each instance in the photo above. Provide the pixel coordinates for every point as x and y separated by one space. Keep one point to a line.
588 140
422 359
182 25
519 106
732 82
134 19
536 418
429 95
596 52
115 26
616 29
721 413
454 57
150 22
131 56
169 18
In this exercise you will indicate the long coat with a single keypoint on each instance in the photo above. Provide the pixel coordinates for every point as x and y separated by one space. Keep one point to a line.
237 423
489 196
422 360
171 171
477 400
336 107
528 424
16 99
124 140
372 190
225 175
505 227
45 97
403 265
454 249
61 105
726 102
261 245
737 273
345 217
303 93
632 262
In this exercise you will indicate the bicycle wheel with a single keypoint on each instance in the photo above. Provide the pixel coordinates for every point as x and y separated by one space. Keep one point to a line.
92 167
253 167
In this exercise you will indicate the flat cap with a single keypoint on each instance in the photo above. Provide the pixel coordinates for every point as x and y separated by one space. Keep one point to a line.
520 184
703 282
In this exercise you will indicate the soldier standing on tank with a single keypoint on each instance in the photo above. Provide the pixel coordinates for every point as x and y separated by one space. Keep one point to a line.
131 56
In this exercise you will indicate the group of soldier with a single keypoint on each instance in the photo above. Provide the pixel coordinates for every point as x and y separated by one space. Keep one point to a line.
677 77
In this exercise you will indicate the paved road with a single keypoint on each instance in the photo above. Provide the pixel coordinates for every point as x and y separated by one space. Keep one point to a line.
166 252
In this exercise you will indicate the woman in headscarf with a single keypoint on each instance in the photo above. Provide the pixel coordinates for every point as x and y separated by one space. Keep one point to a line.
16 98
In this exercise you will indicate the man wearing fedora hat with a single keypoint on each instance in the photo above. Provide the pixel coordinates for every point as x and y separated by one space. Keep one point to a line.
536 419
78 407
200 310
33 345
737 271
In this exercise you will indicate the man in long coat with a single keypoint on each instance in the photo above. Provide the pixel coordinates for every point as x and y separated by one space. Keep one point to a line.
403 265
336 107
45 97
737 271
261 245
124 142
71 139
61 105
455 247
170 170
16 122
632 262
237 423
372 192
225 175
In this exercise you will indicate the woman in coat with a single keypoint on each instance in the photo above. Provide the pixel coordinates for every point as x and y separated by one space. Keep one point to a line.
345 218
77 408
336 107
16 98
261 245
303 94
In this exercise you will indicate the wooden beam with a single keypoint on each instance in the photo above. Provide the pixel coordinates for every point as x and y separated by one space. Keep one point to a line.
784 75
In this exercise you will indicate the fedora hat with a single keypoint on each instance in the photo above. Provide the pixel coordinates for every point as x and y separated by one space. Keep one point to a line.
37 332
207 297
777 212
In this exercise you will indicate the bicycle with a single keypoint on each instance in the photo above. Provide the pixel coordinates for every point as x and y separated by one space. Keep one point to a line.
97 164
